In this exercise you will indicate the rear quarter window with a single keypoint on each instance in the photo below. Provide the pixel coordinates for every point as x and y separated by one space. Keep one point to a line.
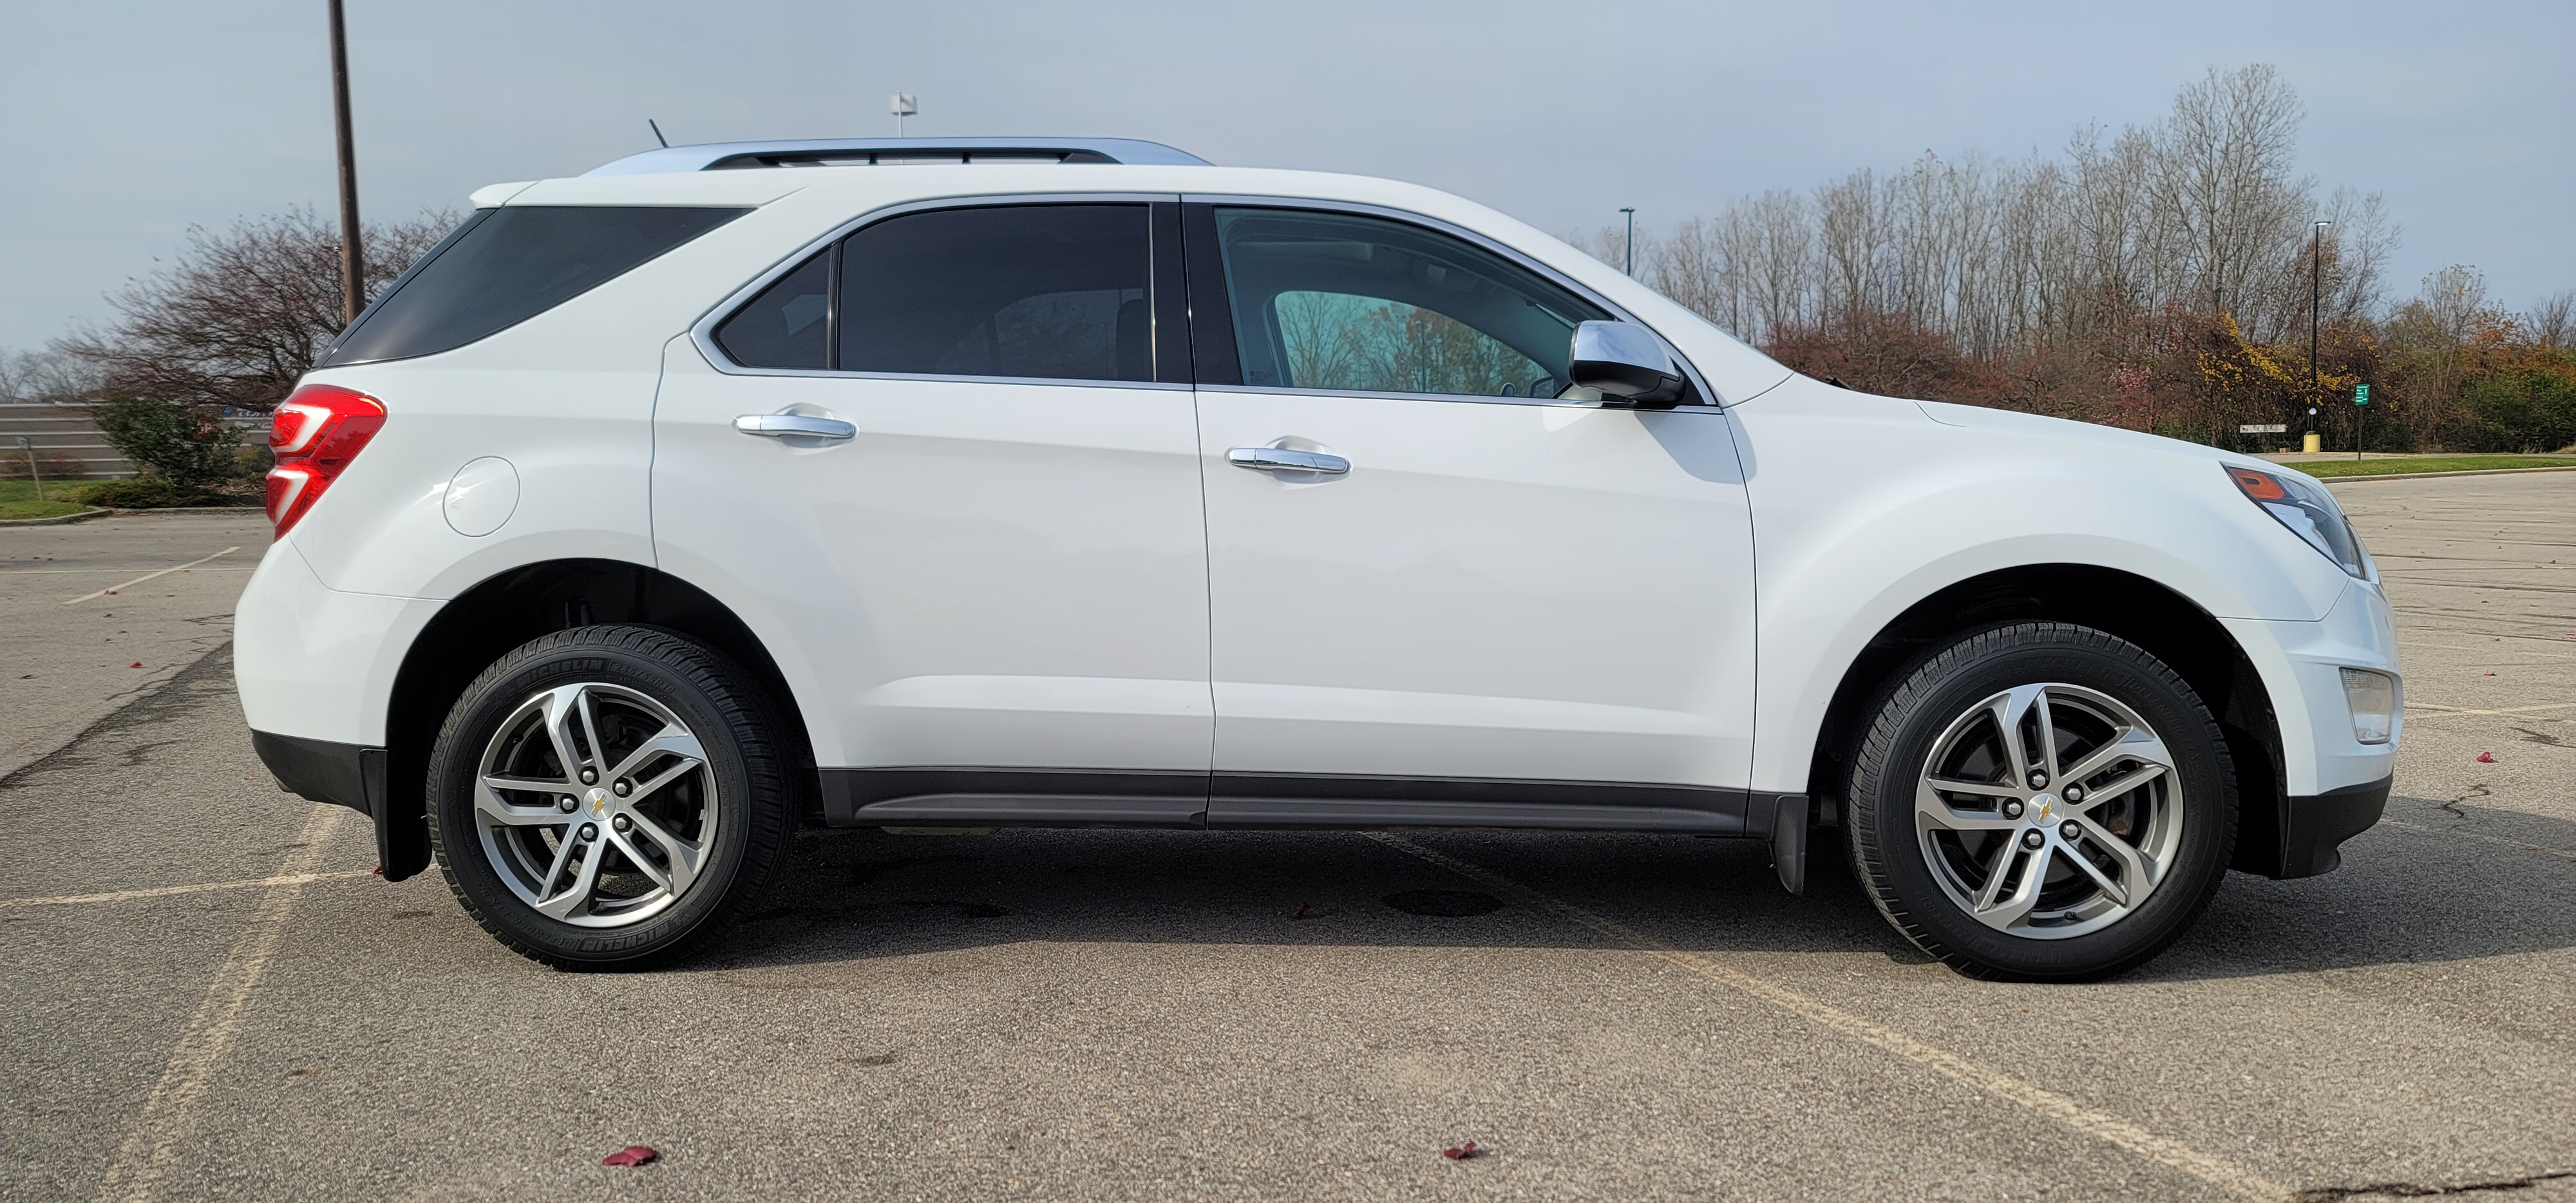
504 266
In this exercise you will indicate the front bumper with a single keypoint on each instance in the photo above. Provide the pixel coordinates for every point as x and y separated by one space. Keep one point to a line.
2331 786
2303 839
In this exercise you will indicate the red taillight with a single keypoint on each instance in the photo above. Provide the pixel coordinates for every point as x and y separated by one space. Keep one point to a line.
314 434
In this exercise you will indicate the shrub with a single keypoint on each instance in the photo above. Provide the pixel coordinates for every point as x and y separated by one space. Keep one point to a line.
2526 410
146 493
181 444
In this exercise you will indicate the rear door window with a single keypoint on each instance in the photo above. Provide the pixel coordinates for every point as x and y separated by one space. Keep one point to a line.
507 265
1058 292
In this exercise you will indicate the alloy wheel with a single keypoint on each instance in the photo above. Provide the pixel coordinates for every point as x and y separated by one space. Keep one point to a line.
2049 811
595 804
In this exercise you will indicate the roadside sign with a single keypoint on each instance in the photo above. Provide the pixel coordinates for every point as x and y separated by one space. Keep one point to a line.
2361 394
2257 428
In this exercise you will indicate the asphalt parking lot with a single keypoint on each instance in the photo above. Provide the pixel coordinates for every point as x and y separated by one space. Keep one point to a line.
204 994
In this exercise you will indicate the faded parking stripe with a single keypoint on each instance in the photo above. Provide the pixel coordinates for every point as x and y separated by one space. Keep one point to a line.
149 575
289 879
2217 1171
170 1113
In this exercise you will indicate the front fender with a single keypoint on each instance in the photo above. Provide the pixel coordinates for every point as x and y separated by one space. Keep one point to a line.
1864 507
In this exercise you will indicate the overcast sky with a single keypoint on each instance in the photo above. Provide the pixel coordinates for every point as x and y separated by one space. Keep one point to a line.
127 122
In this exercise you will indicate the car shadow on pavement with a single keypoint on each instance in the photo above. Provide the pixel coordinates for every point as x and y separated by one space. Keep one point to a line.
2431 886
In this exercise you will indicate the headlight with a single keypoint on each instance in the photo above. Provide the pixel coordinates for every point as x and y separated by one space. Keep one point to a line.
2308 510
2372 698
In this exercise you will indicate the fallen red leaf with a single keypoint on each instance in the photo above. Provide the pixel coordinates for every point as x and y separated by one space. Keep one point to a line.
2486 758
111 593
136 664
630 1155
1301 912
379 870
1461 1153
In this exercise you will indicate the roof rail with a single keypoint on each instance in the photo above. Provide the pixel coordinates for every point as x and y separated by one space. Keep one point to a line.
860 152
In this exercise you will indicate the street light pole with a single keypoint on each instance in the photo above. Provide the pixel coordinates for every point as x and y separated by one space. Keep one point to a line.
2316 301
1630 245
353 279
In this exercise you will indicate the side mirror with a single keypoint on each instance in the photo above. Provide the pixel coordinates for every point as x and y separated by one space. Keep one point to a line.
1625 361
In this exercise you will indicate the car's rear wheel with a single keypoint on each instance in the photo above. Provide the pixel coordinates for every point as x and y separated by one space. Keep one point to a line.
2041 801
608 796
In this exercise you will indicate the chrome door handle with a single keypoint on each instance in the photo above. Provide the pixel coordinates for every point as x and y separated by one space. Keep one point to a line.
782 425
1282 459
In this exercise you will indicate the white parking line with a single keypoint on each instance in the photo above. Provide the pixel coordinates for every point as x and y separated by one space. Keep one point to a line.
291 879
148 576
2216 1171
170 1113
2431 709
97 571
2561 853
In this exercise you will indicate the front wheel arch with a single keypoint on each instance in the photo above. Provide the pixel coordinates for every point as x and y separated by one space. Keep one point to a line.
2168 625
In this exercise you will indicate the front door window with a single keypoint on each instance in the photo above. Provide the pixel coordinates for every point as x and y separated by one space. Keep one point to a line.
1350 303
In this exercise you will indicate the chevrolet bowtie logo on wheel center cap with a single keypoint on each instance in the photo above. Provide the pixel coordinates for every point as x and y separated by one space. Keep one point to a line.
598 799
2043 809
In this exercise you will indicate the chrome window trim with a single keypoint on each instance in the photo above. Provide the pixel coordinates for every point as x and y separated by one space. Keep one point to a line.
703 331
1273 390
1483 242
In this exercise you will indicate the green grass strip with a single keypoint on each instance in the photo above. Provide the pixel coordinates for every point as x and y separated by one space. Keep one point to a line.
32 508
2444 463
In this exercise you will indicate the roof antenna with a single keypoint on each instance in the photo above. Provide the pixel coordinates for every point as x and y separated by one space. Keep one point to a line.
657 134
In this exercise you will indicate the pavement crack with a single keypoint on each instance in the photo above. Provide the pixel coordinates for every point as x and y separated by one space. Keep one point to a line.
2417 1190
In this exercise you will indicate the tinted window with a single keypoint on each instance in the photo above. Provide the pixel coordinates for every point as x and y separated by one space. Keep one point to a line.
784 326
511 264
1336 301
1048 291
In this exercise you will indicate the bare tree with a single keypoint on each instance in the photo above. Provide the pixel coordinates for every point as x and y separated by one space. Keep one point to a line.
243 313
2551 324
2224 181
35 376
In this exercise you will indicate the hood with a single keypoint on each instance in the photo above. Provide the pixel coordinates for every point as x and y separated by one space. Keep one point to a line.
2014 422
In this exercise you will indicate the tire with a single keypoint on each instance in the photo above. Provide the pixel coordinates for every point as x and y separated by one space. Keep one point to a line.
1992 877
682 820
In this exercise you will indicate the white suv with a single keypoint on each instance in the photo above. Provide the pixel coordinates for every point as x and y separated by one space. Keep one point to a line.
729 488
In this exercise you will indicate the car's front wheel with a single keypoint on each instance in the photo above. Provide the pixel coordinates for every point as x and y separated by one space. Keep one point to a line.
2041 801
608 796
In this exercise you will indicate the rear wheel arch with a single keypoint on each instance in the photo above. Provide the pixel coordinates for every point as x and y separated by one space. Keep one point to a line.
504 611
2153 616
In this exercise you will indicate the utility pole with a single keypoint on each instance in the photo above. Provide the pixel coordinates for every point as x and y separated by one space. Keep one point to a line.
353 266
1631 243
2316 301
